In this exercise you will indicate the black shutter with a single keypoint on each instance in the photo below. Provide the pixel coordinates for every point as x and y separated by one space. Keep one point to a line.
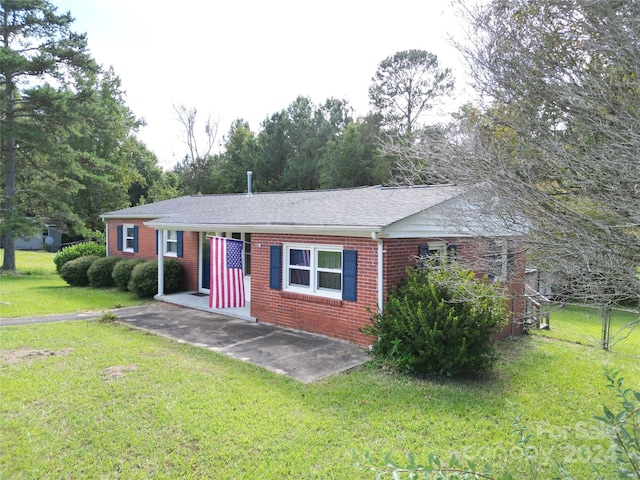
119 240
275 268
349 275
135 239
179 235
157 236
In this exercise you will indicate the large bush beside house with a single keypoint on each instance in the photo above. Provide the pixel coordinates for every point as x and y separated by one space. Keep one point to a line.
76 251
144 278
439 322
75 271
122 272
101 272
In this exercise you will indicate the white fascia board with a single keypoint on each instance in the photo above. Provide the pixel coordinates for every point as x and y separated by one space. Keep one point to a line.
136 216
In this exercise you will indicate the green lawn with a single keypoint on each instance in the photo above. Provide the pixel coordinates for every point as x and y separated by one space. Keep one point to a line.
38 290
100 400
582 324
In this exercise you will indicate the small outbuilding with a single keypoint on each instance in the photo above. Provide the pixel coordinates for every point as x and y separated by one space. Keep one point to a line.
319 261
49 238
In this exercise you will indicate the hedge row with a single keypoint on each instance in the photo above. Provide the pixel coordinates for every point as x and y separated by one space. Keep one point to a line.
136 275
76 251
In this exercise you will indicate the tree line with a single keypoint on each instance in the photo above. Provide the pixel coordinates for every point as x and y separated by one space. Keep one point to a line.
551 140
302 147
70 150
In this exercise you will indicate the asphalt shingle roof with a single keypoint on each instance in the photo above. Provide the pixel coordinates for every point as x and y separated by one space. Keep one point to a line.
354 207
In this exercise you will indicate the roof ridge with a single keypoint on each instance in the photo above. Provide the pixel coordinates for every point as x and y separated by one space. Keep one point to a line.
284 192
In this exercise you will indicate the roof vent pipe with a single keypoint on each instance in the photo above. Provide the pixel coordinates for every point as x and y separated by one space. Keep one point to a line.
249 192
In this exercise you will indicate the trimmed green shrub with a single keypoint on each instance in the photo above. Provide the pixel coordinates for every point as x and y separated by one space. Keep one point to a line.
74 272
100 272
439 322
144 278
122 272
76 251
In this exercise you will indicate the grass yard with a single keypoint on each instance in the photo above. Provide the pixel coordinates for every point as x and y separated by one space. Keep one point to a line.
38 290
100 400
91 399
582 324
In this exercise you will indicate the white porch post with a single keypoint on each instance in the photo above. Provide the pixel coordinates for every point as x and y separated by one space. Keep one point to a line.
160 262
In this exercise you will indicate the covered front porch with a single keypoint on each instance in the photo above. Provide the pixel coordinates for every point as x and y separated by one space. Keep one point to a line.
200 301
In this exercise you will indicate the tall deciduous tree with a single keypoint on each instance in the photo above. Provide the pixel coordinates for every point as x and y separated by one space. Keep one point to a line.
406 85
556 136
38 46
239 156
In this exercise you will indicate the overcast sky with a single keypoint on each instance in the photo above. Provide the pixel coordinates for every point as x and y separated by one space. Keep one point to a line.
249 59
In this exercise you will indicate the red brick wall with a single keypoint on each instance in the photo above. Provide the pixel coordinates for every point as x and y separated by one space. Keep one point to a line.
147 248
470 253
336 318
403 252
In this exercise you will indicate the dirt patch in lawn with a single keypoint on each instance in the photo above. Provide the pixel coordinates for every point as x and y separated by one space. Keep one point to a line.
10 357
118 371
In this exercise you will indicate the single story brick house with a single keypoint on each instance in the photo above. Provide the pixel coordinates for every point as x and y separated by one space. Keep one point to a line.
356 244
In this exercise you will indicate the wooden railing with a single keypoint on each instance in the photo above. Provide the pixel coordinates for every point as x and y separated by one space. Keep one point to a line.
537 309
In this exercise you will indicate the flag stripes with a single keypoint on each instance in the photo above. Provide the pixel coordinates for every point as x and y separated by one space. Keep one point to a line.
226 288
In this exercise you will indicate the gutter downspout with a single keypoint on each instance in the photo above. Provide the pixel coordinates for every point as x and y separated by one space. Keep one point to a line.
106 234
160 263
380 282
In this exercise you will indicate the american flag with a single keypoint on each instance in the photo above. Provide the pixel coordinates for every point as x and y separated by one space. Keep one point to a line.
226 289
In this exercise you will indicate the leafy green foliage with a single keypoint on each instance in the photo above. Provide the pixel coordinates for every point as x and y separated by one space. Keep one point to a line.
122 272
79 250
434 467
406 85
621 428
144 277
100 272
75 271
38 47
439 322
78 155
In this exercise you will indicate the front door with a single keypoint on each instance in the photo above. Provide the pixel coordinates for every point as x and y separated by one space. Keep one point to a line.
205 260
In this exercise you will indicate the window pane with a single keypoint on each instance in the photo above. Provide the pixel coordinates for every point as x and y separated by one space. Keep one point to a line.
329 280
172 247
299 277
300 258
172 235
129 233
129 244
330 260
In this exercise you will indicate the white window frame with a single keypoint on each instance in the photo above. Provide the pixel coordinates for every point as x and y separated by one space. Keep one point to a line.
313 268
167 240
438 251
500 262
125 237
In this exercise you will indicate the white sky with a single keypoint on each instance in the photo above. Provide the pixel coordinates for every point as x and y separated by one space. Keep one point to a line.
251 58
